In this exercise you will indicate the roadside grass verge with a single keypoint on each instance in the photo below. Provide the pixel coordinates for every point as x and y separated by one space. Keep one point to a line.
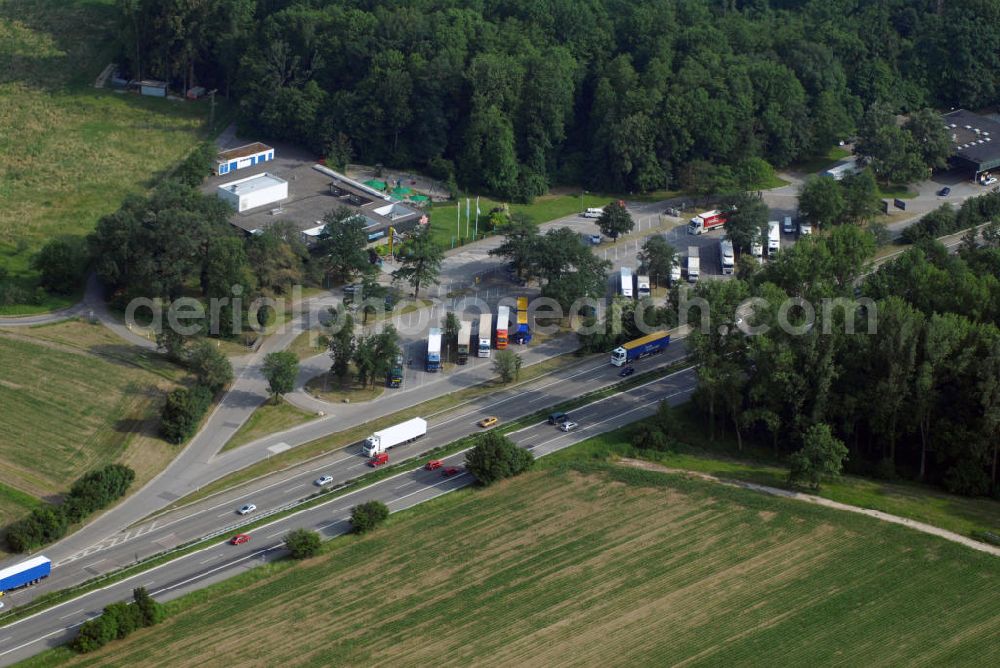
328 444
895 190
588 563
697 452
820 163
328 387
268 419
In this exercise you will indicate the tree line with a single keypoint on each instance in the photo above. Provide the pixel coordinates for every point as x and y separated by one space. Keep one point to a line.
49 522
914 392
511 96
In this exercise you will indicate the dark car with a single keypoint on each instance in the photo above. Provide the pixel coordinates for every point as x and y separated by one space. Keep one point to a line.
944 192
450 471
627 371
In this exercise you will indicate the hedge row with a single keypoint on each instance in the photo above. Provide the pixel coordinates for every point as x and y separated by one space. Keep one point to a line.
90 493
118 620
946 220
183 411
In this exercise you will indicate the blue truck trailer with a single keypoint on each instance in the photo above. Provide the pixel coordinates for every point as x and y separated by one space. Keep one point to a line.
641 347
25 573
434 349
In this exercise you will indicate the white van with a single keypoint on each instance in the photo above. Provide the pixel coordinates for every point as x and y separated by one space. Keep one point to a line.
593 213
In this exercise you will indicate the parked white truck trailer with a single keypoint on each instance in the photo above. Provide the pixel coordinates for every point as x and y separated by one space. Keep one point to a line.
773 237
694 265
726 257
485 335
390 437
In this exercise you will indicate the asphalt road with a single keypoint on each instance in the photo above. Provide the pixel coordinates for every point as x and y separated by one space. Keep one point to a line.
57 625
218 512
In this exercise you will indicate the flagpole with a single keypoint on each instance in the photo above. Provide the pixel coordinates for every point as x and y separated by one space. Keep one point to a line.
458 220
477 215
466 212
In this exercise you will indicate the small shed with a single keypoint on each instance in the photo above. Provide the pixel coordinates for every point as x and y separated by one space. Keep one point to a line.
243 156
153 88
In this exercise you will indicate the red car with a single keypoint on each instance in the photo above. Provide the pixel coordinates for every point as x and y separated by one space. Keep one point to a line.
239 539
450 471
433 464
379 459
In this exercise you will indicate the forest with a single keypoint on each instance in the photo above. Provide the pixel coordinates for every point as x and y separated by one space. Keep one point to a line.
512 96
907 374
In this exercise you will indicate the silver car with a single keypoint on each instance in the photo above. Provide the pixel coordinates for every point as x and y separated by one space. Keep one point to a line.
568 426
247 509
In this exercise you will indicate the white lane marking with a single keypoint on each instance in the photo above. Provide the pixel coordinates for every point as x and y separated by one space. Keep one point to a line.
612 396
205 561
217 569
305 510
47 635
510 398
75 612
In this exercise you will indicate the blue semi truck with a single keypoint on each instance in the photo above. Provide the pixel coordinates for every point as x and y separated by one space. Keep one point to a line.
25 573
641 347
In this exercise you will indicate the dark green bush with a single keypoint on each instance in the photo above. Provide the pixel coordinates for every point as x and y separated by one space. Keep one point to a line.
117 621
302 543
48 523
183 411
368 515
495 457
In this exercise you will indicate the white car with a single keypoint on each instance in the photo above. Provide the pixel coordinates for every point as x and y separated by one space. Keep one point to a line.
324 480
990 181
805 229
247 509
568 426
595 239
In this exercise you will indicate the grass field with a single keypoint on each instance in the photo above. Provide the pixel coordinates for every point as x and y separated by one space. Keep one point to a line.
595 565
696 452
541 210
268 419
74 397
69 153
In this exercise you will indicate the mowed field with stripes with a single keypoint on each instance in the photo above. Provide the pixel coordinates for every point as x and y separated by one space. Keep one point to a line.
583 563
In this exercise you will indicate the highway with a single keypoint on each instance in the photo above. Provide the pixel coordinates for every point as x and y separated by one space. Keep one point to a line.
218 512
220 560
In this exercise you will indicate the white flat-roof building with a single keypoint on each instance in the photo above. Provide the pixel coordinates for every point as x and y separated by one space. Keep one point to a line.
253 191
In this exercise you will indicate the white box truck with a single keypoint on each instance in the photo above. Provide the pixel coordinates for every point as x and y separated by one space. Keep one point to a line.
773 237
694 265
727 259
642 286
626 282
485 336
390 437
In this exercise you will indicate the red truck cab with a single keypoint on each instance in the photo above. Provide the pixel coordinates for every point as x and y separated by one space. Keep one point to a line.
379 459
